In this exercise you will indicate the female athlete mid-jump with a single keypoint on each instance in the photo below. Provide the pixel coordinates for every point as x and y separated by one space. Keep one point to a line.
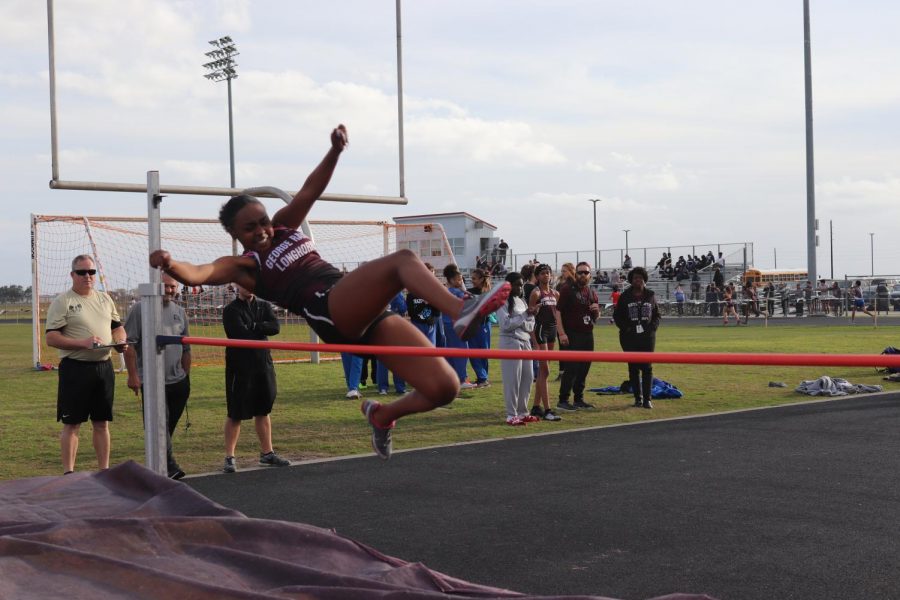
281 264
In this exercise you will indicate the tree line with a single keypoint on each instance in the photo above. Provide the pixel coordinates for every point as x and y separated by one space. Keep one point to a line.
11 294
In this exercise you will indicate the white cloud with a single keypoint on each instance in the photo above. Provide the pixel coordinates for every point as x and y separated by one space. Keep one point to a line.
859 194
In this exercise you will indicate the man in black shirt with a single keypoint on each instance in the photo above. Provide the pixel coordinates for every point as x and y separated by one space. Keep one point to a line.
250 376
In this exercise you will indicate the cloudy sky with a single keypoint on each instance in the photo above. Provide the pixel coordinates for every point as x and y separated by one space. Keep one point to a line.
686 118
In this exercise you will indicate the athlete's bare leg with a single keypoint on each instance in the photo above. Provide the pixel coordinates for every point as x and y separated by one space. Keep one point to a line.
434 381
363 294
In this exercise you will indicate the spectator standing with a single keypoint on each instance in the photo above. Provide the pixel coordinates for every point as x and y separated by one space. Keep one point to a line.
678 294
637 317
695 286
516 323
397 306
751 300
712 300
422 314
503 247
369 366
250 386
837 300
566 275
769 295
626 264
614 296
578 308
352 364
455 285
481 283
882 298
718 278
543 305
78 321
176 363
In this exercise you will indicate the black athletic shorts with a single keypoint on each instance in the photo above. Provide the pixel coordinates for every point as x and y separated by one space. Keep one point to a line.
85 391
317 315
250 394
544 333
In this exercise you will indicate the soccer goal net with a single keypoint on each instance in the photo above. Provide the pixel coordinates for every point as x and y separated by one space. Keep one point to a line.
119 247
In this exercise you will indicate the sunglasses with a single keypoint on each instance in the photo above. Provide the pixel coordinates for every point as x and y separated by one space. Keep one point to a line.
583 272
84 272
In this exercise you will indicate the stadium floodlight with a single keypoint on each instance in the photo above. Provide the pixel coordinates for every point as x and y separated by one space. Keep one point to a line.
222 68
626 240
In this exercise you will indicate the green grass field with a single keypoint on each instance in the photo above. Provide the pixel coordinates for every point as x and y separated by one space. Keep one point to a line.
312 419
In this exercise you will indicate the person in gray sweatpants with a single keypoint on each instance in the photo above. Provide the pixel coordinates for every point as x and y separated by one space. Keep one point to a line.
516 325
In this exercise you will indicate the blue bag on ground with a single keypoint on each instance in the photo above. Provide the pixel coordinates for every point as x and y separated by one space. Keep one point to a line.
659 391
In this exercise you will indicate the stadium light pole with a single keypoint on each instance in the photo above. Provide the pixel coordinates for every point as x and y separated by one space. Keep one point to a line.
872 254
594 201
626 239
223 68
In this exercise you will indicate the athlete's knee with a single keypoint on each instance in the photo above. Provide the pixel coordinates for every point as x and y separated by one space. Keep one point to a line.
405 255
443 390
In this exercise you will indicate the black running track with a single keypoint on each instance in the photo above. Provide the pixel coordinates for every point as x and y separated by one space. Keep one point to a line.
794 502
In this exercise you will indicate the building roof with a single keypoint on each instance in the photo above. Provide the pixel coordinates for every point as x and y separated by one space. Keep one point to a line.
449 214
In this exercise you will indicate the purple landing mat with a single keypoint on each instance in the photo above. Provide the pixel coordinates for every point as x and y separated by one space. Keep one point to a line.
128 532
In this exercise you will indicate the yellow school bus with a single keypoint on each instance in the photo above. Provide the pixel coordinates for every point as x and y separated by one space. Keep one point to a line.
764 276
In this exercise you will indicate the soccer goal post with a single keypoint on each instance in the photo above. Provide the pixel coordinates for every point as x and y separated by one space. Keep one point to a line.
119 248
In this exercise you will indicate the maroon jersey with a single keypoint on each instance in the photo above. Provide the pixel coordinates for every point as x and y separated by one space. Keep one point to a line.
291 270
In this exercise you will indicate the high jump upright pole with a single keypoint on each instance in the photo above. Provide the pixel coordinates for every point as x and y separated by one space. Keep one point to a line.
154 383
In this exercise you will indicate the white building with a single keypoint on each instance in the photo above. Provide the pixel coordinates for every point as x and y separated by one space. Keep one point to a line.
469 236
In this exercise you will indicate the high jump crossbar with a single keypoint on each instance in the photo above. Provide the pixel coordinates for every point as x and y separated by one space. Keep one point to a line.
708 358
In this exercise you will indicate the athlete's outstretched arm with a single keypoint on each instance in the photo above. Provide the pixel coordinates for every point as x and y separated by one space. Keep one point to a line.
227 269
293 214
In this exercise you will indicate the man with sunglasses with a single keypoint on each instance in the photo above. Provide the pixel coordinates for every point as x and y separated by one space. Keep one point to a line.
82 323
579 307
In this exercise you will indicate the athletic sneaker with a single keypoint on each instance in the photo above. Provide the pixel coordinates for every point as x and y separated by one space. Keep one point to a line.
353 395
515 421
363 386
581 404
476 308
564 405
271 459
175 472
467 385
229 466
537 411
483 384
382 392
381 437
551 416
530 419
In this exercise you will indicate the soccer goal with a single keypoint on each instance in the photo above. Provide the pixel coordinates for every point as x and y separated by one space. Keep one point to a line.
119 248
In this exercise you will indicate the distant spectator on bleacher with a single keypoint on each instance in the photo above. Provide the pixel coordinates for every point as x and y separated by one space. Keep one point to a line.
718 278
626 264
721 260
